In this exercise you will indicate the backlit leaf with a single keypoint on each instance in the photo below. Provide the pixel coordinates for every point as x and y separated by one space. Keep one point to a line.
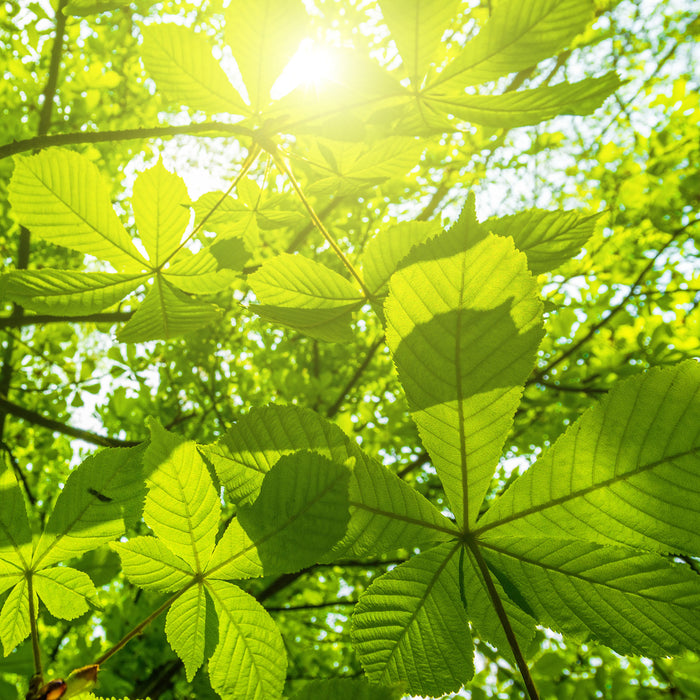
463 326
64 591
60 196
185 627
148 563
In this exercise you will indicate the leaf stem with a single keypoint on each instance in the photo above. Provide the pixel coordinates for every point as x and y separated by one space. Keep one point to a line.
245 167
284 168
142 625
36 651
503 617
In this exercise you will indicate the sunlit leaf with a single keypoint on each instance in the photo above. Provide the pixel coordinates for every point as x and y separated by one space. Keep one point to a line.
100 497
60 196
181 63
463 326
249 662
166 312
185 627
626 472
148 563
161 218
14 617
182 507
65 292
412 626
64 591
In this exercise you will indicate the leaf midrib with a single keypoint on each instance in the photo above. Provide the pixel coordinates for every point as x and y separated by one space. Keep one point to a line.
584 491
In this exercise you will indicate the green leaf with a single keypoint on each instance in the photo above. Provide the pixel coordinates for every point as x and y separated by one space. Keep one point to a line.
10 574
625 473
526 107
386 513
346 689
227 217
65 292
182 507
389 247
298 282
329 325
417 27
548 238
300 513
161 218
519 34
14 617
185 628
100 497
198 273
64 591
235 556
149 564
411 625
482 615
165 313
634 602
263 35
249 662
60 196
181 63
353 167
464 326
15 532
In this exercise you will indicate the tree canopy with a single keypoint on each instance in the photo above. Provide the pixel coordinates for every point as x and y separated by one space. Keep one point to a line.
350 349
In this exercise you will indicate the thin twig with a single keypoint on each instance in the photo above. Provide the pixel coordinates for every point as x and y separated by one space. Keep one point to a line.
355 377
41 319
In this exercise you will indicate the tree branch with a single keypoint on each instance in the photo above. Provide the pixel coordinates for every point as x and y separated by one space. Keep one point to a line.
37 319
7 407
205 129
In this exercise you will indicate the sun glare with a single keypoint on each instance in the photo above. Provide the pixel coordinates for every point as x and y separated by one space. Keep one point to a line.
311 66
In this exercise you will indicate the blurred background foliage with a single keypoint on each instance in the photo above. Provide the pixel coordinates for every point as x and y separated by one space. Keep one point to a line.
630 301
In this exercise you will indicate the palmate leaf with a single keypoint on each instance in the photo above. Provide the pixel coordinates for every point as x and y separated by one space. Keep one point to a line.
412 625
66 292
60 197
15 531
626 472
329 325
149 564
464 326
386 513
519 34
64 591
185 626
166 312
527 107
10 574
389 247
548 238
249 662
351 167
14 616
263 35
198 273
182 64
301 283
634 602
417 27
182 507
100 497
159 213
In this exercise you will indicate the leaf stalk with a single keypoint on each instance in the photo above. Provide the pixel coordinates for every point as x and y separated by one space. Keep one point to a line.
503 618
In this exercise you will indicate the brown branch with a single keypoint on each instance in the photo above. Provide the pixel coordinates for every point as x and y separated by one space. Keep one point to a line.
205 129
37 319
355 377
7 407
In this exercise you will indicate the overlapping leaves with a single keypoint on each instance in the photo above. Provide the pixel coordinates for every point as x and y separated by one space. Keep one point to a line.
60 197
100 497
580 542
301 510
